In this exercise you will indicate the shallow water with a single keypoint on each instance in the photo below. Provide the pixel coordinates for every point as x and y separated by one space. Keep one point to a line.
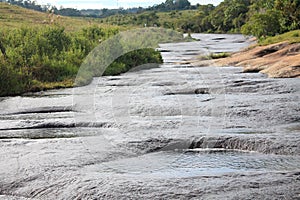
176 131
202 162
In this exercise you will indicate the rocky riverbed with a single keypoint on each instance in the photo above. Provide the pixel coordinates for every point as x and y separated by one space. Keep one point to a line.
173 132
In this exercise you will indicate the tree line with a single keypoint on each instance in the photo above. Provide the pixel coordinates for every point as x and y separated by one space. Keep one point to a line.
170 5
29 4
101 13
256 17
272 17
251 17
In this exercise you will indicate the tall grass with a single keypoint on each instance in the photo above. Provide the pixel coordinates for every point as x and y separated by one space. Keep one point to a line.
49 57
291 37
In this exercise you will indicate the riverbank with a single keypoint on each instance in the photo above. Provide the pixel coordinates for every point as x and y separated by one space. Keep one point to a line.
278 60
37 59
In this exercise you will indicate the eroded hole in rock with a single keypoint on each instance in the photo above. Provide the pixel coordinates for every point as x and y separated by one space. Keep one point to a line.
190 92
266 52
218 39
270 50
202 91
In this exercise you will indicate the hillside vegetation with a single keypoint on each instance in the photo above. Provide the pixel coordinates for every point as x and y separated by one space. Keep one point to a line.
37 55
169 5
12 16
251 17
290 37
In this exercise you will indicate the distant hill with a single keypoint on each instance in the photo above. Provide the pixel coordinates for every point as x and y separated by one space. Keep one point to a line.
12 16
168 5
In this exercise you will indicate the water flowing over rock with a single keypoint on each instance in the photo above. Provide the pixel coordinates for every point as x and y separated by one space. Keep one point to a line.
173 132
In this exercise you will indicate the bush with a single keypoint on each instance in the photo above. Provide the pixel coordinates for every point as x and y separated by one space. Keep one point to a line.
219 55
42 57
11 82
133 59
263 24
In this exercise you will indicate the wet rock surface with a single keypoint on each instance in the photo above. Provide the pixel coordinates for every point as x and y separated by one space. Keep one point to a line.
173 132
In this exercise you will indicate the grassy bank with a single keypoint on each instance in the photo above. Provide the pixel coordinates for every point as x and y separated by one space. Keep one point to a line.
34 59
290 37
15 17
41 51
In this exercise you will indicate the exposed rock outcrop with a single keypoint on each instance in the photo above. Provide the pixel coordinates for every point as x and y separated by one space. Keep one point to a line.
281 60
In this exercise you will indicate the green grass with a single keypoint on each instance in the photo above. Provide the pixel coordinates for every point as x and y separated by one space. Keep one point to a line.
40 86
15 17
213 56
40 55
290 37
219 55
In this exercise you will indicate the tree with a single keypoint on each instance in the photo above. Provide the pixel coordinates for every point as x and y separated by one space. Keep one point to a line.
182 4
169 5
205 10
262 24
290 14
235 14
69 12
229 15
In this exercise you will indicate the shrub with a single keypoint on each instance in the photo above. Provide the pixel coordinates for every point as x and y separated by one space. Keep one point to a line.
133 59
263 24
42 57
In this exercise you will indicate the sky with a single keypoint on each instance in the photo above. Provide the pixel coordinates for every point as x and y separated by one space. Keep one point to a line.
99 4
